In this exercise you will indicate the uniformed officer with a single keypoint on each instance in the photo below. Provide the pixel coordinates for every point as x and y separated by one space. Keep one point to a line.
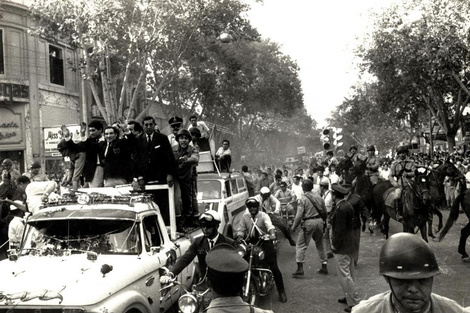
408 265
401 170
224 265
372 165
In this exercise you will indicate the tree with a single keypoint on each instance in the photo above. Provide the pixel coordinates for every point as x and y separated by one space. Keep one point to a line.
418 52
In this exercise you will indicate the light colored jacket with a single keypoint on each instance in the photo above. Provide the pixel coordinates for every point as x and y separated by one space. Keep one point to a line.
382 303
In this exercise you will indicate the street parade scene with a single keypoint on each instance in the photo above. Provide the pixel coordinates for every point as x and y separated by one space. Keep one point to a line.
234 156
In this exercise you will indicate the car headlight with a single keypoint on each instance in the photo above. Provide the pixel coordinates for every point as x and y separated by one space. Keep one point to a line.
188 303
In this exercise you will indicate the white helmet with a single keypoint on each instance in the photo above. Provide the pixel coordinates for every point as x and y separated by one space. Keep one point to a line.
210 216
264 190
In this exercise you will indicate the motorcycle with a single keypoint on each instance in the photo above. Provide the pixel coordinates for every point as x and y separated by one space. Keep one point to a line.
191 301
259 280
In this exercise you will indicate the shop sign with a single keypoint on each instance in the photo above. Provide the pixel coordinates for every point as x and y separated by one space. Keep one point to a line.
11 127
53 135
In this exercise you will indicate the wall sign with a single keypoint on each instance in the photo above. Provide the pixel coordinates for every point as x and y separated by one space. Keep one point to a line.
11 126
53 135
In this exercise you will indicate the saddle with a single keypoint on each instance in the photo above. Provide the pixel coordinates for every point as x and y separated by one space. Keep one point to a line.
389 196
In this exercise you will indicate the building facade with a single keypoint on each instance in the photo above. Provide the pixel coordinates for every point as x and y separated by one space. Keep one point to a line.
39 92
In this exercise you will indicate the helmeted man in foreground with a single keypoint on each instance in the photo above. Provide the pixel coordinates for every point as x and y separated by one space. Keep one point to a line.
408 265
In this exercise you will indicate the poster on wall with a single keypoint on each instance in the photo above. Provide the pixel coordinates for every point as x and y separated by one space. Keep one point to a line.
53 135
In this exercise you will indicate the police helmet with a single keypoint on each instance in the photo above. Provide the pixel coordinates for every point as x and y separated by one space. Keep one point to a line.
406 256
251 202
183 132
265 191
307 184
210 217
371 148
353 147
402 149
7 162
195 132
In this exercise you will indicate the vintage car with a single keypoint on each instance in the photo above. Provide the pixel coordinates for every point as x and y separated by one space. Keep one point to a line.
94 253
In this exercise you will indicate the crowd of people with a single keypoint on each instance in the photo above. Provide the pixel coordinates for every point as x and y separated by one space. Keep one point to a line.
319 199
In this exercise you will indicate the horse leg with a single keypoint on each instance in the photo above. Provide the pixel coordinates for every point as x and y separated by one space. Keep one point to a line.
422 229
464 233
439 216
386 226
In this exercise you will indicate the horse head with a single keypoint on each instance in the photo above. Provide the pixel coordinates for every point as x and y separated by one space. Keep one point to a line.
421 185
358 168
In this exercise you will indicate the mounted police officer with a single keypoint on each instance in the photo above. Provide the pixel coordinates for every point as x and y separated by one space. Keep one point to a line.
353 155
401 171
408 265
372 165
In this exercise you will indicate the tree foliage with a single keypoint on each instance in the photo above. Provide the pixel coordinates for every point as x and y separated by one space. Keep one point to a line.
418 53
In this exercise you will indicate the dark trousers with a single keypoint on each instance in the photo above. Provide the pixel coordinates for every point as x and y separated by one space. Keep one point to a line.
271 260
278 223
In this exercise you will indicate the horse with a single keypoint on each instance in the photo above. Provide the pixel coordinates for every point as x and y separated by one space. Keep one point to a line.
363 187
461 201
342 169
436 180
415 200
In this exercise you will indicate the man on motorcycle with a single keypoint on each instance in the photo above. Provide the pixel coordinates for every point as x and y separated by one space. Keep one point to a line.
224 265
209 221
287 198
252 226
272 206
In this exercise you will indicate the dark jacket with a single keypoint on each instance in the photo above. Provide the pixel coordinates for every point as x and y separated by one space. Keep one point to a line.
91 146
199 248
155 160
359 209
342 219
117 161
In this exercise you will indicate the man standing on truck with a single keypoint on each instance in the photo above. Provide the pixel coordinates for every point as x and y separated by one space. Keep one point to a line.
210 221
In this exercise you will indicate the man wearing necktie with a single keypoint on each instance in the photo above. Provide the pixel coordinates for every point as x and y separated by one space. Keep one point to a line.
210 221
155 163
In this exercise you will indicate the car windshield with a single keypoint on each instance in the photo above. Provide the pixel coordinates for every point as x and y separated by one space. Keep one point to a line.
68 236
209 189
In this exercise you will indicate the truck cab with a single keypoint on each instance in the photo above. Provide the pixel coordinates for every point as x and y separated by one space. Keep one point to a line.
96 252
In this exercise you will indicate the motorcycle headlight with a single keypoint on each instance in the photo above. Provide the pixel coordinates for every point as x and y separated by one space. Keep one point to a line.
259 253
188 303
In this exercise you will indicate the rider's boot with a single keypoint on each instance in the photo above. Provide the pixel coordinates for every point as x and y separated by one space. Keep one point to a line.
323 270
399 216
300 270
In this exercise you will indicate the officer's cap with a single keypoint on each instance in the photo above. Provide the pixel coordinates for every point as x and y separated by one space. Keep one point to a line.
36 164
223 258
175 121
340 189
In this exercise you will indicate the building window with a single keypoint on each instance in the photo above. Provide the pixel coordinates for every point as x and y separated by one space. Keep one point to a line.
56 64
2 64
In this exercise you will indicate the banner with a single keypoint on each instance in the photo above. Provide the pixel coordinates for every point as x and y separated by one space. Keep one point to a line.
53 135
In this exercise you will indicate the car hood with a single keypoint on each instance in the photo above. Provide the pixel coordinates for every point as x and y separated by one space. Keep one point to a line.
67 280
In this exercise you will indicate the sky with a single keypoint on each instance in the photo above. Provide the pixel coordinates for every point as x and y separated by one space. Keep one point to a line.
321 37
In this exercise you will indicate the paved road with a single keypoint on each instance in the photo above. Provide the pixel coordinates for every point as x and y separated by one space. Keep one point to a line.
319 293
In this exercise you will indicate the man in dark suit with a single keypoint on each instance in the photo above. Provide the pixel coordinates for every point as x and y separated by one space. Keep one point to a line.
210 221
155 163
342 244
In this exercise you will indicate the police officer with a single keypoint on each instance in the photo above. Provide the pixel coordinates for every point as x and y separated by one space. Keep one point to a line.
311 215
372 165
401 170
254 224
210 221
408 265
224 265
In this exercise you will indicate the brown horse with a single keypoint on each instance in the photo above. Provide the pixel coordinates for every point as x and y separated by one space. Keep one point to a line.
415 200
